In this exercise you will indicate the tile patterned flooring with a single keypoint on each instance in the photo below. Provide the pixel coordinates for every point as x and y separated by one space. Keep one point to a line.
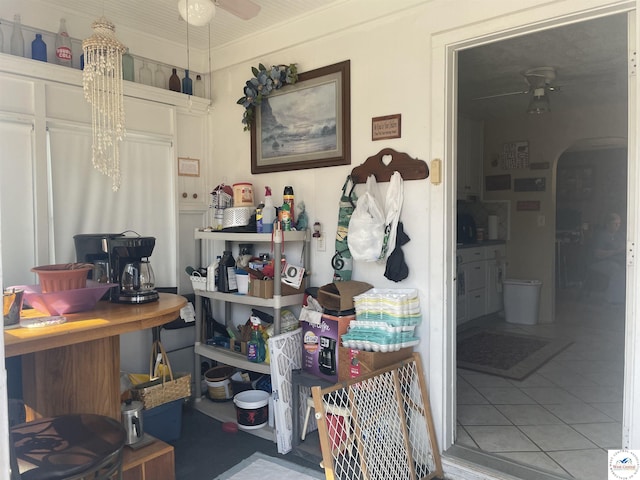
562 418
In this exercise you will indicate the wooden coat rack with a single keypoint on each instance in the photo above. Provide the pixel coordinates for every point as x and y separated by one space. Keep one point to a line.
409 168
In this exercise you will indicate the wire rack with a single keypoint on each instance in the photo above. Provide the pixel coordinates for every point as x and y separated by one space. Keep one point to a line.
378 427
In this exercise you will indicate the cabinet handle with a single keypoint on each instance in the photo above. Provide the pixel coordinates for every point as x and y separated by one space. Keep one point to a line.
195 195
184 194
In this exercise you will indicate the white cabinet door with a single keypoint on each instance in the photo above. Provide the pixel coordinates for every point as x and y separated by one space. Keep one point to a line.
192 192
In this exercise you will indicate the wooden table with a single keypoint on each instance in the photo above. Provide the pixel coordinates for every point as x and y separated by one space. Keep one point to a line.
74 367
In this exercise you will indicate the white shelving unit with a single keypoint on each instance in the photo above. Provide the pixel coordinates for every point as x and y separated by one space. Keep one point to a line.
225 411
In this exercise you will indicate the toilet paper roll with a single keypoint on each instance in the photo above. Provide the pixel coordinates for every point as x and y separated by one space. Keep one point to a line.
493 227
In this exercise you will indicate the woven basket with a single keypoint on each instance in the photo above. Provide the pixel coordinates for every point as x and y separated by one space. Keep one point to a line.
198 282
167 388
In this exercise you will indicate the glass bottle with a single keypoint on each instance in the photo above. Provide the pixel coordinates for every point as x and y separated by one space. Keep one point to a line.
145 75
174 81
17 40
160 79
63 45
1 39
39 49
187 84
227 281
198 87
127 67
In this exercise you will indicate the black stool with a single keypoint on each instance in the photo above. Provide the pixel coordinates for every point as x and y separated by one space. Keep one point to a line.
67 447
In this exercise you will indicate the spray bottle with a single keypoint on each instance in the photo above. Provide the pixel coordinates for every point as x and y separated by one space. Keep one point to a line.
268 211
256 350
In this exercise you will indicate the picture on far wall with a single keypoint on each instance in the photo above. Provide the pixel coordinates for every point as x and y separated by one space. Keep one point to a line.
515 155
304 125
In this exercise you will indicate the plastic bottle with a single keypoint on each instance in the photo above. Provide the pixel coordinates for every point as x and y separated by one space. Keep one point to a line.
187 84
268 212
127 67
145 76
212 269
63 45
39 49
259 225
256 350
287 197
174 81
17 40
227 282
198 87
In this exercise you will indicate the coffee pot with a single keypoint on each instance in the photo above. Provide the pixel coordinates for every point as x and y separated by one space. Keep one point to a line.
132 421
138 281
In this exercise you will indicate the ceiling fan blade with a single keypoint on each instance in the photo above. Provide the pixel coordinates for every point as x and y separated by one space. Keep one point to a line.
498 95
245 9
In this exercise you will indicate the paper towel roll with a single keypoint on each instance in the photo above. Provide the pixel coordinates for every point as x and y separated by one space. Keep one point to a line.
493 227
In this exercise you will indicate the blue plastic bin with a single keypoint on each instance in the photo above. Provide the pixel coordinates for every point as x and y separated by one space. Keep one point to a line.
165 421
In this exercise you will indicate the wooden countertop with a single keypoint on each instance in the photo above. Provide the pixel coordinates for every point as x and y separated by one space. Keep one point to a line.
107 319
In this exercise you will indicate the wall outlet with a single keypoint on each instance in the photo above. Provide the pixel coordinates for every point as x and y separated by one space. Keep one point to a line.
541 220
321 243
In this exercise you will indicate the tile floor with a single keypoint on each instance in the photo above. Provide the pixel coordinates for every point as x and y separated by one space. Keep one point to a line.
562 418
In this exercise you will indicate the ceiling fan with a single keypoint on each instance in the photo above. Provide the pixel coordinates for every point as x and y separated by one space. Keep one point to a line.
200 12
541 81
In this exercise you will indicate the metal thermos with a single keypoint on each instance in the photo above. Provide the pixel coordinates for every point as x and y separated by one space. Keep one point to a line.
132 421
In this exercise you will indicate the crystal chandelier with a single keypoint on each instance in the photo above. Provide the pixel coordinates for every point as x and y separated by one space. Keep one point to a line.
102 83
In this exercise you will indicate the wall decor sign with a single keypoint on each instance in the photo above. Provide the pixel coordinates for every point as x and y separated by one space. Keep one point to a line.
497 182
304 125
188 167
515 155
386 127
528 205
539 166
538 184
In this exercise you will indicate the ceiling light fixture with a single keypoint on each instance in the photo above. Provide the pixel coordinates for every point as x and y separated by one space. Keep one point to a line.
102 85
539 102
197 12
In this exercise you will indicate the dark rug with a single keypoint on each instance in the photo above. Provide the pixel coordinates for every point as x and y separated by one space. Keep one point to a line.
505 354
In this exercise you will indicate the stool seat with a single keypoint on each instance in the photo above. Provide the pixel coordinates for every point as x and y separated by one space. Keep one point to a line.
68 447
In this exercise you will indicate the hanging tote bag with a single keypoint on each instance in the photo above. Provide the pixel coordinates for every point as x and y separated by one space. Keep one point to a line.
342 262
164 388
392 209
367 225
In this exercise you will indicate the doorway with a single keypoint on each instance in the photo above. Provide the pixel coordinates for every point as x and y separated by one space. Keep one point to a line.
560 427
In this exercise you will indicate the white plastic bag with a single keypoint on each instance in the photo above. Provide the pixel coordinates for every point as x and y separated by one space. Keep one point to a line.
392 208
367 224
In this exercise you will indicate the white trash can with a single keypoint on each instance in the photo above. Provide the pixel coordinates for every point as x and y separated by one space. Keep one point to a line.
521 301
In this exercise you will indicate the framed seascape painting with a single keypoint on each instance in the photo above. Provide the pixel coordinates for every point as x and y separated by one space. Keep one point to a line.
304 125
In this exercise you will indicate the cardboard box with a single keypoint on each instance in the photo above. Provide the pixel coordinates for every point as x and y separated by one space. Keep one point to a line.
355 363
338 296
238 346
264 288
317 339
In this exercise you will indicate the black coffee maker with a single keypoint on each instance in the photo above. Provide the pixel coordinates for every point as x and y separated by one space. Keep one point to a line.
124 261
327 356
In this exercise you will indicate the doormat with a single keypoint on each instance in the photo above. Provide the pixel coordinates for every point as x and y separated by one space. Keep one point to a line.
505 354
263 467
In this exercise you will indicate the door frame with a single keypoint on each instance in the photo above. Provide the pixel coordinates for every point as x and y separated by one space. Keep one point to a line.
442 293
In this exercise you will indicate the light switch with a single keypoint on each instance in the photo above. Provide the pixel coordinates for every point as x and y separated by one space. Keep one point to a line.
435 172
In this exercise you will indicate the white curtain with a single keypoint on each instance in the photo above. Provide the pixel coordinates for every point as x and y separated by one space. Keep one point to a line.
83 201
17 202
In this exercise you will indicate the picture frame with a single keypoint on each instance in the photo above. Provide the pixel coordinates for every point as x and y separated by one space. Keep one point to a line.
389 126
304 125
188 167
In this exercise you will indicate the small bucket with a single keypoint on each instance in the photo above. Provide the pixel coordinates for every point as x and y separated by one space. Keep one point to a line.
242 194
252 409
218 383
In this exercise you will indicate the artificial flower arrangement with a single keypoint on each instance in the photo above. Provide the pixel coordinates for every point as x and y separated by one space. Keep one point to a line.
262 84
